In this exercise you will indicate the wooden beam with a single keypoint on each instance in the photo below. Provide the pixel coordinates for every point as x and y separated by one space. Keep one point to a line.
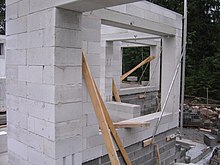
148 59
94 94
127 124
115 92
147 142
114 132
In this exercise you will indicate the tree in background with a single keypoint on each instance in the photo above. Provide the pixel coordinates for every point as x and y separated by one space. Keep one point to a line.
132 56
203 45
2 17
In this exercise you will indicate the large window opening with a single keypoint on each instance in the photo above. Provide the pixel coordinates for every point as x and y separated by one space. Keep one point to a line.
131 57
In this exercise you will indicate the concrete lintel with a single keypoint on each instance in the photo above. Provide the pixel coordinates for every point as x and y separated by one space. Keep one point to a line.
143 43
110 33
122 20
89 5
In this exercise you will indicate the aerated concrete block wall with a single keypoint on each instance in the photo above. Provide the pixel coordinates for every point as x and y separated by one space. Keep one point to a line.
44 84
50 116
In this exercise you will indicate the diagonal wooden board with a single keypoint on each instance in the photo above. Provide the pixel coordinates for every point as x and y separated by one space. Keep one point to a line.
98 107
115 92
148 59
114 132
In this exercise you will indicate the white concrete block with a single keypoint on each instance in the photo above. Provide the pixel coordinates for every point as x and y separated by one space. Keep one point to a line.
68 38
22 41
32 74
47 92
94 47
68 160
18 148
12 73
21 107
142 4
40 5
12 102
90 131
35 39
16 88
94 141
68 19
135 10
49 37
90 35
42 19
36 21
35 141
12 11
18 119
92 153
91 119
41 127
40 56
68 56
17 133
13 158
120 8
68 146
11 42
68 75
68 111
9 2
68 93
88 108
77 158
16 57
68 129
23 8
35 157
49 75
90 22
38 109
16 26
49 148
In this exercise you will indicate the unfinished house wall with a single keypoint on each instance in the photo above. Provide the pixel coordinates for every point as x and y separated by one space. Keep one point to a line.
2 72
50 116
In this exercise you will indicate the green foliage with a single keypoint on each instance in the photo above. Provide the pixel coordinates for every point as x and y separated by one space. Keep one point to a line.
2 17
203 45
132 56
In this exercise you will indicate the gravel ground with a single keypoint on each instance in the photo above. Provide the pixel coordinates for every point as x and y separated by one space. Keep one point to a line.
193 134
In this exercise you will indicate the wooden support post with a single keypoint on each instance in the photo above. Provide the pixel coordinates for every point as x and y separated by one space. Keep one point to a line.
148 59
114 133
94 94
115 92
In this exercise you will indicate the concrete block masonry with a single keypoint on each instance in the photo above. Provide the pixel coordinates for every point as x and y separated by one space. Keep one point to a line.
145 155
50 116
